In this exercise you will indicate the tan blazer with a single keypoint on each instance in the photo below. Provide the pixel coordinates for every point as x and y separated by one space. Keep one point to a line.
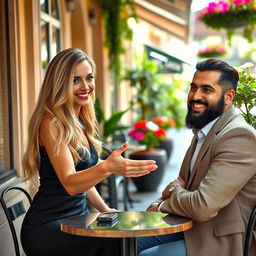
221 190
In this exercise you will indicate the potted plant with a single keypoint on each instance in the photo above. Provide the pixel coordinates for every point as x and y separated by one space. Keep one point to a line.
245 98
149 134
153 95
230 14
165 123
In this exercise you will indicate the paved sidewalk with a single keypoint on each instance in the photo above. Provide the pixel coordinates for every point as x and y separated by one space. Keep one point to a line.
182 139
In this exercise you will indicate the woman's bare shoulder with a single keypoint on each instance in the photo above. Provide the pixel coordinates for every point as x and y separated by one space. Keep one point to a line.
47 129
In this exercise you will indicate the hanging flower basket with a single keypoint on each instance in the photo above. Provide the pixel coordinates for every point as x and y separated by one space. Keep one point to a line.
212 52
230 15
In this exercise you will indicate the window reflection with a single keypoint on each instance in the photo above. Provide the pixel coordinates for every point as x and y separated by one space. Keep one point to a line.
54 9
50 31
44 44
55 45
43 5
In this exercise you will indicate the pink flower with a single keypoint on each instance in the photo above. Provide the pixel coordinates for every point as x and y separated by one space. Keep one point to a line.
211 7
136 135
240 2
223 6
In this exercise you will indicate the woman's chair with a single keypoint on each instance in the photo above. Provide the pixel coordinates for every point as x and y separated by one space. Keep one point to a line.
112 183
249 231
14 211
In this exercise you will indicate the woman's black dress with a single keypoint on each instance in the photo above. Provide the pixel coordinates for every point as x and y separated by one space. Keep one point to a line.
41 234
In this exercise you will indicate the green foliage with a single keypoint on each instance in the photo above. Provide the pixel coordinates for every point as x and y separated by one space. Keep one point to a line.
111 125
116 14
245 98
154 96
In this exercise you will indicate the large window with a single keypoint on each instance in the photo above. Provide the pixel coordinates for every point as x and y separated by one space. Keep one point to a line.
50 31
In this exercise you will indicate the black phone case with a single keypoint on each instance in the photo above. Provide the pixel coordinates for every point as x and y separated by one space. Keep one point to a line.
107 218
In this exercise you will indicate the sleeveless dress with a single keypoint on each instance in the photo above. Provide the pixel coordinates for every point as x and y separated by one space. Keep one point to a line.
41 234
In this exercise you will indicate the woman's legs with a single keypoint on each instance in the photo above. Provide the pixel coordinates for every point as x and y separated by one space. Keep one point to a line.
159 245
48 239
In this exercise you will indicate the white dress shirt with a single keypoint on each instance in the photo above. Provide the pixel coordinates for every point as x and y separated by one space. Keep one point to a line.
201 135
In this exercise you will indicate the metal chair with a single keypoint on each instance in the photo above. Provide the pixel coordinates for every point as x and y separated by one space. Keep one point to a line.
13 212
250 228
112 183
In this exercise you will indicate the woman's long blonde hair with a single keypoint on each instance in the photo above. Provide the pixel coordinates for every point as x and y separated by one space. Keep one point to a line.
56 100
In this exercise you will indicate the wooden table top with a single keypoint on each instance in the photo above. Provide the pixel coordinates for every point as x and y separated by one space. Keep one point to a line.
127 224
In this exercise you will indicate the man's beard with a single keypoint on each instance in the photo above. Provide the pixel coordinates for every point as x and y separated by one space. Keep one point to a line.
210 113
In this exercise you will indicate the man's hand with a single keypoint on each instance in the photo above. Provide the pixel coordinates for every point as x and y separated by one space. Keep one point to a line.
153 207
166 193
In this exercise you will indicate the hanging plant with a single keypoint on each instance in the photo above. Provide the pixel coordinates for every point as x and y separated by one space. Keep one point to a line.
212 51
116 14
230 15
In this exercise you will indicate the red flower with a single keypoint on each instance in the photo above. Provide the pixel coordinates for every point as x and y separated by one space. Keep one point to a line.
164 122
141 125
160 133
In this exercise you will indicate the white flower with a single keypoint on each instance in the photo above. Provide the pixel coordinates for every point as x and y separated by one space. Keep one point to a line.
152 126
246 65
253 76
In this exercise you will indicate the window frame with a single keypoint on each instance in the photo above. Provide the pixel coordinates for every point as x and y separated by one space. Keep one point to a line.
5 51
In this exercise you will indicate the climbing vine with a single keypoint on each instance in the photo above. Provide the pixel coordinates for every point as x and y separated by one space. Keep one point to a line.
116 14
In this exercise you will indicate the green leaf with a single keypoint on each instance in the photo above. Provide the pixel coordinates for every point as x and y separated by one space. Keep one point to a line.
112 124
99 111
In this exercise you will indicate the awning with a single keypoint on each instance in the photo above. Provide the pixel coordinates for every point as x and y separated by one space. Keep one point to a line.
168 63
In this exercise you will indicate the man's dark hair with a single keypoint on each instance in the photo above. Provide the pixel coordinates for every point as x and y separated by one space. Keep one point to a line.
229 75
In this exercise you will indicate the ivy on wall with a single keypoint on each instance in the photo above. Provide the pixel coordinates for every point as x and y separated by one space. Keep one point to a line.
116 14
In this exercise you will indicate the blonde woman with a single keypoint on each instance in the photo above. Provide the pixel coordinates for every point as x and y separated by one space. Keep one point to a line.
63 149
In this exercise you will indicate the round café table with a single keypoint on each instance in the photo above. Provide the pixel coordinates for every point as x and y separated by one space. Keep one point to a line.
128 226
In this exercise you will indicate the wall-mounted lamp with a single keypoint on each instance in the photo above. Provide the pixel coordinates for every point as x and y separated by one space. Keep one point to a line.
92 17
70 5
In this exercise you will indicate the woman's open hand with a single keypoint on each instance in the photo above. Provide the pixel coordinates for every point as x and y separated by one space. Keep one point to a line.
116 164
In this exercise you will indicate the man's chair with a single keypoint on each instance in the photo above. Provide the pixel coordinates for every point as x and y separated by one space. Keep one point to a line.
249 231
13 212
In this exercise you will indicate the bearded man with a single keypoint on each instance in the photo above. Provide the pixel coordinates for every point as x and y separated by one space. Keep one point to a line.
216 186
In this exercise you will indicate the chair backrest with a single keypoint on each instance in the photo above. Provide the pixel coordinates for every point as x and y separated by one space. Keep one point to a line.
112 184
14 211
250 228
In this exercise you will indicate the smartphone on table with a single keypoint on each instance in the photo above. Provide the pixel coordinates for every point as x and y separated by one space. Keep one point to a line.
107 216
107 224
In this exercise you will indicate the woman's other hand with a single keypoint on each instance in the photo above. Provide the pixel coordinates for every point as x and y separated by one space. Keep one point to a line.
116 164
